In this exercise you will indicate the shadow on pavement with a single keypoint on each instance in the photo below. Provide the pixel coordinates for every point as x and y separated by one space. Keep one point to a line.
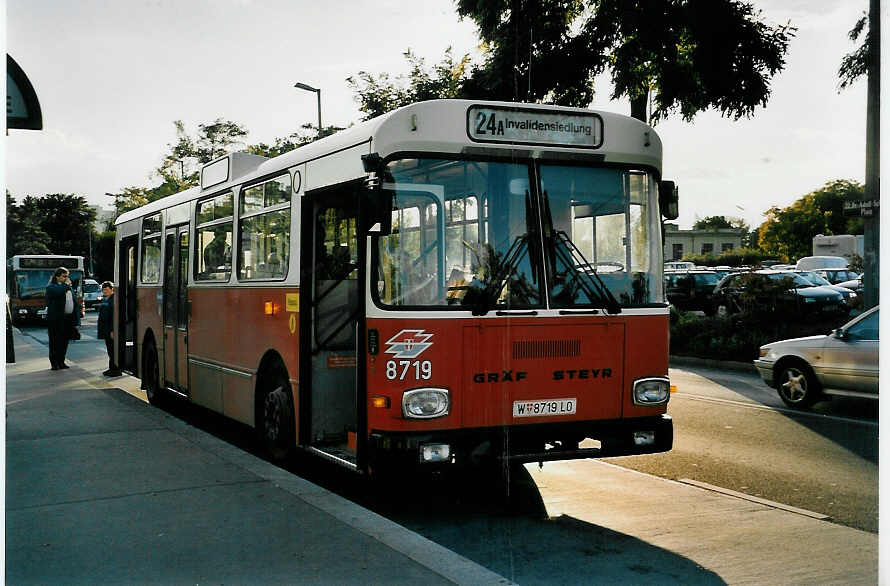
496 521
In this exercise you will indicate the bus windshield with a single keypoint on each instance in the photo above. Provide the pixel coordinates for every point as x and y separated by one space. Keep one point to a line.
482 235
32 283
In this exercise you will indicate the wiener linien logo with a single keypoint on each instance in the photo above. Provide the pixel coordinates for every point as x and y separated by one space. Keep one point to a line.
408 344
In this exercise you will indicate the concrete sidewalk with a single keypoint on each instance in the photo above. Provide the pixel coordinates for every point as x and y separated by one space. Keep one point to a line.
102 488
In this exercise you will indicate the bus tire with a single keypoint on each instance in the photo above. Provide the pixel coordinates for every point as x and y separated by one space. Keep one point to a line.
276 409
151 376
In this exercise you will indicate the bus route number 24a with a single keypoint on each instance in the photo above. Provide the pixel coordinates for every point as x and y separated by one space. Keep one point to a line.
402 369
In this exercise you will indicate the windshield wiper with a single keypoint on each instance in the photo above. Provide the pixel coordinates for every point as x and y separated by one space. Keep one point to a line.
593 285
487 298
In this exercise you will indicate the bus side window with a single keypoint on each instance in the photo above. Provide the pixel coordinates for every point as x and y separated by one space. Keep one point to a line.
151 259
264 252
151 249
336 277
213 238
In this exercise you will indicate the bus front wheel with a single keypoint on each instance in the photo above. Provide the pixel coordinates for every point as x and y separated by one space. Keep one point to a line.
277 428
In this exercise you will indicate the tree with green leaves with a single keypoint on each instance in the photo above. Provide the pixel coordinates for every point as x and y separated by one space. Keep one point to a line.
854 65
57 223
24 235
788 232
379 94
720 222
683 55
181 166
308 133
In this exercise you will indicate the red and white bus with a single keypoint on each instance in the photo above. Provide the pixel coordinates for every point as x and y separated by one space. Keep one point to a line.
27 276
451 283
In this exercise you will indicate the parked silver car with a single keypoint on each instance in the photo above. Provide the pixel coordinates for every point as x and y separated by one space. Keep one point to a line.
844 362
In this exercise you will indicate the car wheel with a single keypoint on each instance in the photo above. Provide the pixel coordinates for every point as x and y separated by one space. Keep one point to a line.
797 385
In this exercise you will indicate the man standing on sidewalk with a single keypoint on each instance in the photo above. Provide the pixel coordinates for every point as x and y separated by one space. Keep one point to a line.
106 326
59 316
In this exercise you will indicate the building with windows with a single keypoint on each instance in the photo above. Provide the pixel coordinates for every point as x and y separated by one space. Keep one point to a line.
678 243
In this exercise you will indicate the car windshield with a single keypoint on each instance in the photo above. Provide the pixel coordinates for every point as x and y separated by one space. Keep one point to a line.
484 235
706 278
841 275
91 287
815 278
796 279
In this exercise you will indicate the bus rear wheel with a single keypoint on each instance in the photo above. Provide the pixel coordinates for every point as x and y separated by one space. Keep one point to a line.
151 376
277 427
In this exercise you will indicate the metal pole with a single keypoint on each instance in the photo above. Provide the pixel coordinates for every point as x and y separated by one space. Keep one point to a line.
309 88
318 91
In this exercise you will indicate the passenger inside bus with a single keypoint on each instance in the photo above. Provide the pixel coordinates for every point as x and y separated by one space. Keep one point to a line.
218 252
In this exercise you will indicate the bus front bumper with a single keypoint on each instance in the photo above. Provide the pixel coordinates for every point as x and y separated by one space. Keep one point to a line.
521 444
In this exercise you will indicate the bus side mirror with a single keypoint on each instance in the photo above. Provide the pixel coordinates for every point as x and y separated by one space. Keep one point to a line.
378 200
668 200
380 211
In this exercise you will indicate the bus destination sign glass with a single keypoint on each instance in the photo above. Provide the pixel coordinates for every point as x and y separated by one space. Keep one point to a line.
534 127
47 263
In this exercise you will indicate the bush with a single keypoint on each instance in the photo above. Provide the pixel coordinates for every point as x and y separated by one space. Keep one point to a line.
738 337
733 258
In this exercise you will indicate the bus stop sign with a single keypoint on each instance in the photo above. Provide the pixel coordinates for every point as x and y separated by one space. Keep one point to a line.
22 106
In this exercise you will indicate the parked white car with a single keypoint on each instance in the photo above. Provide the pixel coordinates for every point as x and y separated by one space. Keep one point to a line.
812 263
844 362
92 294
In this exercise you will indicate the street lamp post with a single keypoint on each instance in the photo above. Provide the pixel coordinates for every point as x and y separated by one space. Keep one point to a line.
309 88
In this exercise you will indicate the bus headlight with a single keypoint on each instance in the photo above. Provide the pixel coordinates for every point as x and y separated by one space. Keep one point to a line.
425 403
651 391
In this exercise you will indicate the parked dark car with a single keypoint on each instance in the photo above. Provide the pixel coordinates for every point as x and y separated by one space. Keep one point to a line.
844 362
692 290
835 276
775 291
815 278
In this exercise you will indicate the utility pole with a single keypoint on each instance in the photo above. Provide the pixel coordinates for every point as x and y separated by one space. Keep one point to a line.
872 222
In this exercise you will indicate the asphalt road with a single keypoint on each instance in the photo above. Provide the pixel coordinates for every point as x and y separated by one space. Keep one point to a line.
733 431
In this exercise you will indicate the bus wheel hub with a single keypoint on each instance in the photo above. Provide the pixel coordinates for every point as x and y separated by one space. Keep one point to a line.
274 412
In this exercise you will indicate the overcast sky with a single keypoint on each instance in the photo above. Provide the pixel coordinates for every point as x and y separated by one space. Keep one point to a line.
113 75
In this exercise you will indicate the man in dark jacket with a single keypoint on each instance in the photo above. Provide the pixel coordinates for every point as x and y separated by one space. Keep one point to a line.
106 326
59 317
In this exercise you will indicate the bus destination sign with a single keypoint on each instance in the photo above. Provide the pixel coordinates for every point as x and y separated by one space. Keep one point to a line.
534 127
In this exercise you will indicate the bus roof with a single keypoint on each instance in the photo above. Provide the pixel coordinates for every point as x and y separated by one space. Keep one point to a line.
429 127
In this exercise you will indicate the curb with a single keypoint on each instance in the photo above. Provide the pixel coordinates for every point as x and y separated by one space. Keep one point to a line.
711 363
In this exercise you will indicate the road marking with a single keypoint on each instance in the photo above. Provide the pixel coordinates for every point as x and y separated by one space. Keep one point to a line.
783 410
754 499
